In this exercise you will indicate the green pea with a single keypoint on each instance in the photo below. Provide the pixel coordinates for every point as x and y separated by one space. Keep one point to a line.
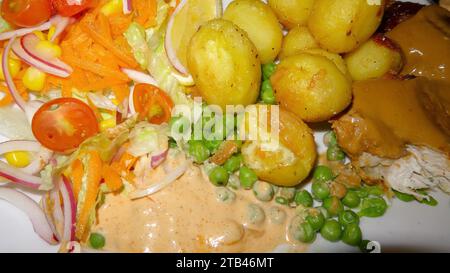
248 177
322 173
351 199
305 233
303 198
348 217
233 182
331 230
212 145
268 70
334 153
329 139
430 202
376 190
267 94
373 207
233 163
255 214
333 205
225 195
320 190
352 234
363 246
96 240
281 200
404 196
198 151
316 219
263 191
219 176
277 215
288 193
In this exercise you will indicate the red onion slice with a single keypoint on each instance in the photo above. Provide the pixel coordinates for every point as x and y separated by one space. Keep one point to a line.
19 177
40 160
8 78
32 209
48 211
157 160
19 145
70 210
127 8
101 101
171 177
168 45
122 111
25 48
60 23
139 77
23 31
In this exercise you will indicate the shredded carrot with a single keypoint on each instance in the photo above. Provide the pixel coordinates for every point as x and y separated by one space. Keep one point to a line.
6 99
121 91
112 178
92 188
87 25
145 12
77 177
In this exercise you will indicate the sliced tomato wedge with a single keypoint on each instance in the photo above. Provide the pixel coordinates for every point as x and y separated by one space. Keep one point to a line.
63 124
71 7
26 13
152 103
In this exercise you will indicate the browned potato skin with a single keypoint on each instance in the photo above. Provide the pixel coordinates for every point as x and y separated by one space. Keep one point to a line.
259 21
297 40
341 26
311 86
292 13
376 58
296 136
224 64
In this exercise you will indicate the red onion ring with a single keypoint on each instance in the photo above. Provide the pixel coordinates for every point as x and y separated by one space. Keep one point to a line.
48 211
8 78
159 159
19 177
70 210
171 54
32 209
61 23
25 49
19 145
139 77
127 7
23 31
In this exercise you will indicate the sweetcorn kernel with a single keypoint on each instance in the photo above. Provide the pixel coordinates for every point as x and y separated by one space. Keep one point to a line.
18 159
13 65
34 79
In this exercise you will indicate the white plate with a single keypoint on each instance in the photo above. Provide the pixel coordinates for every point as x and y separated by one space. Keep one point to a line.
406 227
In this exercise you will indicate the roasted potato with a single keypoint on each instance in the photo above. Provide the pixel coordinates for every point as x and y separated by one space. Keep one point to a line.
292 13
261 25
311 86
291 162
341 26
297 40
375 58
224 64
335 58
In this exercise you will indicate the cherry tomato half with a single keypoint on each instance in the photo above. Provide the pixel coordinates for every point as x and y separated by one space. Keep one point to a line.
71 7
26 13
63 124
152 103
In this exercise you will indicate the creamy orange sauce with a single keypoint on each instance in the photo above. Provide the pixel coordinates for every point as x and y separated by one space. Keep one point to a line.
424 40
187 217
387 114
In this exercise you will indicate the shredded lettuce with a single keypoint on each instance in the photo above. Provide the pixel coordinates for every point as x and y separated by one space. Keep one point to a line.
152 47
136 38
147 138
